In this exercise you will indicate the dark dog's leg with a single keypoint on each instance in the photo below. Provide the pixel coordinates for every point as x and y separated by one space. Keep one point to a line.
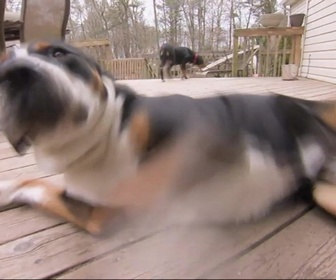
161 71
184 71
51 198
168 69
165 70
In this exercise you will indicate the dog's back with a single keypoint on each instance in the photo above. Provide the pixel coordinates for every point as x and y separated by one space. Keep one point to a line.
176 55
245 149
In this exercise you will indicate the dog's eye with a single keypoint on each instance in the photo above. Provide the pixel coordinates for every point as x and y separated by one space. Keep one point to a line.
58 53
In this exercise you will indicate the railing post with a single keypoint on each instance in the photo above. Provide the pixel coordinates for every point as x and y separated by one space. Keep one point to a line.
297 52
235 55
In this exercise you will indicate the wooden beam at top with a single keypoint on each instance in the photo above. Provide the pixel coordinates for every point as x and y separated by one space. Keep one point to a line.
90 43
283 31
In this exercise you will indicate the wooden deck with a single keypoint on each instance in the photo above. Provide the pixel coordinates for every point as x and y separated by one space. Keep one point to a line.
295 241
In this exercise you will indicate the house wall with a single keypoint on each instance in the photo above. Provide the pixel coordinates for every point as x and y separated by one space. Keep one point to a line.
319 51
298 8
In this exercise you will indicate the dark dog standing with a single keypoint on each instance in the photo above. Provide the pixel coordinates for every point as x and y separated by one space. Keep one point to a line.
170 56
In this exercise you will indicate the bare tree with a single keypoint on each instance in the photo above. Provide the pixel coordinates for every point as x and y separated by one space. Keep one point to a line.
199 24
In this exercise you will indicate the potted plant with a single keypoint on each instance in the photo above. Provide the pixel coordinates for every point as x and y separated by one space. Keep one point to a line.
296 20
271 20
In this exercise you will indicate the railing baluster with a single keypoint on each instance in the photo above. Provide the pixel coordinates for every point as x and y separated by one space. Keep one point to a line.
275 66
292 52
260 63
284 52
235 57
268 46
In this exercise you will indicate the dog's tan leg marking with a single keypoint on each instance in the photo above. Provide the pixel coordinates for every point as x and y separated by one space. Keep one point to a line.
49 197
98 218
325 196
140 130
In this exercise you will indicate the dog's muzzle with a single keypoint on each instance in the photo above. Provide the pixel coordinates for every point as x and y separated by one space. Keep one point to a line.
14 75
18 72
29 97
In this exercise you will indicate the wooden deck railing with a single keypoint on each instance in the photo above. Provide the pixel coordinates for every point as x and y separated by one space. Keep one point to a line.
208 56
276 46
146 67
128 68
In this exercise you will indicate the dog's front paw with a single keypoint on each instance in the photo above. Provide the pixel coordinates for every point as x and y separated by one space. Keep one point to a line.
7 192
97 220
94 228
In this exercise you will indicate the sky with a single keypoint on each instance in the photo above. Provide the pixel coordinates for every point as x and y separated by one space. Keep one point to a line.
149 12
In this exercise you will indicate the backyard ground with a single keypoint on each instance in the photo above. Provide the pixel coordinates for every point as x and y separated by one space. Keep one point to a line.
295 241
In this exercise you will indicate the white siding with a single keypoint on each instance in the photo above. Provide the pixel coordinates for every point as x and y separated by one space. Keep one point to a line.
319 52
298 8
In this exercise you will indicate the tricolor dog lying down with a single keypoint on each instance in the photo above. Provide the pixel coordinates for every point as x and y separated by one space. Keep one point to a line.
233 156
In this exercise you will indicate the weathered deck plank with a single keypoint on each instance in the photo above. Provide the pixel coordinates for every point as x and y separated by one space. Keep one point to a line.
35 245
24 221
204 87
184 252
49 252
303 250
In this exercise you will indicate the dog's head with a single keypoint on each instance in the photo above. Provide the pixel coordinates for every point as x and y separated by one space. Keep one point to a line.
45 88
199 61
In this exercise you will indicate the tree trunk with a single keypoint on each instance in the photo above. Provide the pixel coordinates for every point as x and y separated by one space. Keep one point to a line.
156 26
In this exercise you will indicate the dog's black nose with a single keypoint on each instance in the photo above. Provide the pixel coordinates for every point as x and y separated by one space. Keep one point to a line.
17 72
